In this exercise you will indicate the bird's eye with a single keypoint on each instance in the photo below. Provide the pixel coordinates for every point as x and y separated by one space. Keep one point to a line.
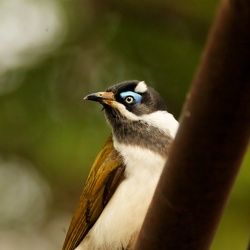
129 99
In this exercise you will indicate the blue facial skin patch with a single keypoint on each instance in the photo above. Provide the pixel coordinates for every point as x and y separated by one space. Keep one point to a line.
137 97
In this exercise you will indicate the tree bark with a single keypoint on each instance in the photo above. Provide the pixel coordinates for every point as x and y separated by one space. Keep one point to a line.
209 147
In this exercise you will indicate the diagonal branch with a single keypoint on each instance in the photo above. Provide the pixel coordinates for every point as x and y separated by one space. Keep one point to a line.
212 139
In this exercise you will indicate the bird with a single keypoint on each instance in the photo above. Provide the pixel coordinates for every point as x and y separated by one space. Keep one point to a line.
125 173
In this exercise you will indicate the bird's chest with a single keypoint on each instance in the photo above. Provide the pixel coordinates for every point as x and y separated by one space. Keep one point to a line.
122 218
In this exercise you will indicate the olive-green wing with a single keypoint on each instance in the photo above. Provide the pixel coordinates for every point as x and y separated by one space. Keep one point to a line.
106 174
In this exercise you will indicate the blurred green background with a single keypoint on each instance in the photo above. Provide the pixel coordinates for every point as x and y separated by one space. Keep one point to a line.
52 54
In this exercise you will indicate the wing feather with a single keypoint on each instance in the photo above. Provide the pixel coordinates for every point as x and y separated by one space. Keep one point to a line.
106 174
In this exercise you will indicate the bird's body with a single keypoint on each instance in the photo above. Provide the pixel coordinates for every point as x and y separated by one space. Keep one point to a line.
118 225
124 176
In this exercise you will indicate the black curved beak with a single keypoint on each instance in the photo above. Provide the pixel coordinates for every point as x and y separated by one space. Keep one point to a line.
101 97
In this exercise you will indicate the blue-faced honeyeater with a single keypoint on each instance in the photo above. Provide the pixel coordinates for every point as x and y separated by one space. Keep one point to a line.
124 176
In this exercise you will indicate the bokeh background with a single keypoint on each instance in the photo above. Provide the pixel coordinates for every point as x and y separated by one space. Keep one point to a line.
52 54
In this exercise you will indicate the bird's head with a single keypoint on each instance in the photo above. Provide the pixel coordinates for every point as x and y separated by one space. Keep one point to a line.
128 101
135 111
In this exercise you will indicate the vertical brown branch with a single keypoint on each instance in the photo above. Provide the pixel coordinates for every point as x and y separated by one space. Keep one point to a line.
211 142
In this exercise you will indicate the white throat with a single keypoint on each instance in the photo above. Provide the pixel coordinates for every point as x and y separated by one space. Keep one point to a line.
162 120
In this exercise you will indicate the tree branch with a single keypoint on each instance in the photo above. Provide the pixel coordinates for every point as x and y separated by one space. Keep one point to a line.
212 139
